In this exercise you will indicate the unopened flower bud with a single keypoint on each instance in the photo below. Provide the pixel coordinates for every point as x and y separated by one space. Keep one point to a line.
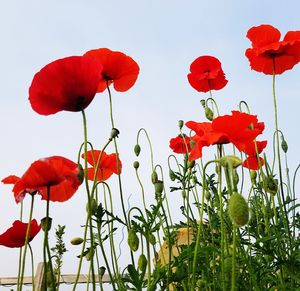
271 185
80 175
284 145
76 241
190 164
209 113
159 187
94 207
207 195
137 149
180 124
192 143
133 240
172 175
232 161
89 254
202 101
152 239
102 270
154 177
136 164
114 133
142 262
253 175
46 223
238 209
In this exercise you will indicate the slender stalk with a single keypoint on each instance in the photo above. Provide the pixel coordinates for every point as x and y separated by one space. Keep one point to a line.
233 259
32 267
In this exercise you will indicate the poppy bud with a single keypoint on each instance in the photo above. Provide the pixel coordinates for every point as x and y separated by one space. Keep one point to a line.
94 207
136 164
142 262
137 149
114 133
159 187
46 223
271 185
180 124
284 145
190 164
89 254
228 161
192 143
209 113
253 175
207 195
152 239
133 240
80 175
154 177
172 175
102 270
202 101
76 241
238 209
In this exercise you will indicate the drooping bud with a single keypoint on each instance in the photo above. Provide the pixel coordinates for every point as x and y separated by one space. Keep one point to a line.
114 133
271 185
284 145
136 164
190 164
180 124
89 254
94 207
172 175
137 149
46 223
230 161
202 101
192 143
253 175
152 239
76 241
207 195
142 262
154 177
238 209
159 187
80 175
133 240
102 270
209 113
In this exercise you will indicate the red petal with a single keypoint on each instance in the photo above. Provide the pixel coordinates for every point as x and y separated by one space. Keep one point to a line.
12 179
252 163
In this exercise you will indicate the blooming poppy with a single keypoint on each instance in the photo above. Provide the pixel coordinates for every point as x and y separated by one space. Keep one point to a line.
68 84
206 74
15 236
107 166
60 174
180 144
252 150
270 55
118 68
239 127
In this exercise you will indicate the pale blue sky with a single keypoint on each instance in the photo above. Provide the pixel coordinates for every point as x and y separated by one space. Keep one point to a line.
164 37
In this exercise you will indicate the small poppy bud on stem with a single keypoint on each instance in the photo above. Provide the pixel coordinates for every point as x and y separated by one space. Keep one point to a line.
46 223
253 175
284 145
154 177
137 150
133 240
180 124
209 113
94 207
136 164
114 133
202 102
172 175
228 161
271 185
207 195
238 209
102 270
76 241
190 164
142 262
159 187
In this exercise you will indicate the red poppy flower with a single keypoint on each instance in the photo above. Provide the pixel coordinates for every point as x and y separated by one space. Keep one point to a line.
270 55
253 149
15 236
180 144
60 174
118 68
68 84
206 74
107 166
240 128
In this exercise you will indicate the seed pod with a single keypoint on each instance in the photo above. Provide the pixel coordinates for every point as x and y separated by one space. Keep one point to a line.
142 262
238 209
136 164
76 241
133 240
159 187
209 113
137 150
228 161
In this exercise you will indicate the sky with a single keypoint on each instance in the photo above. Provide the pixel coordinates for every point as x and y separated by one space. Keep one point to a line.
163 37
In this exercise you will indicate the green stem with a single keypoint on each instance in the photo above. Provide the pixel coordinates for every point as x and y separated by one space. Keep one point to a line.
233 259
32 267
